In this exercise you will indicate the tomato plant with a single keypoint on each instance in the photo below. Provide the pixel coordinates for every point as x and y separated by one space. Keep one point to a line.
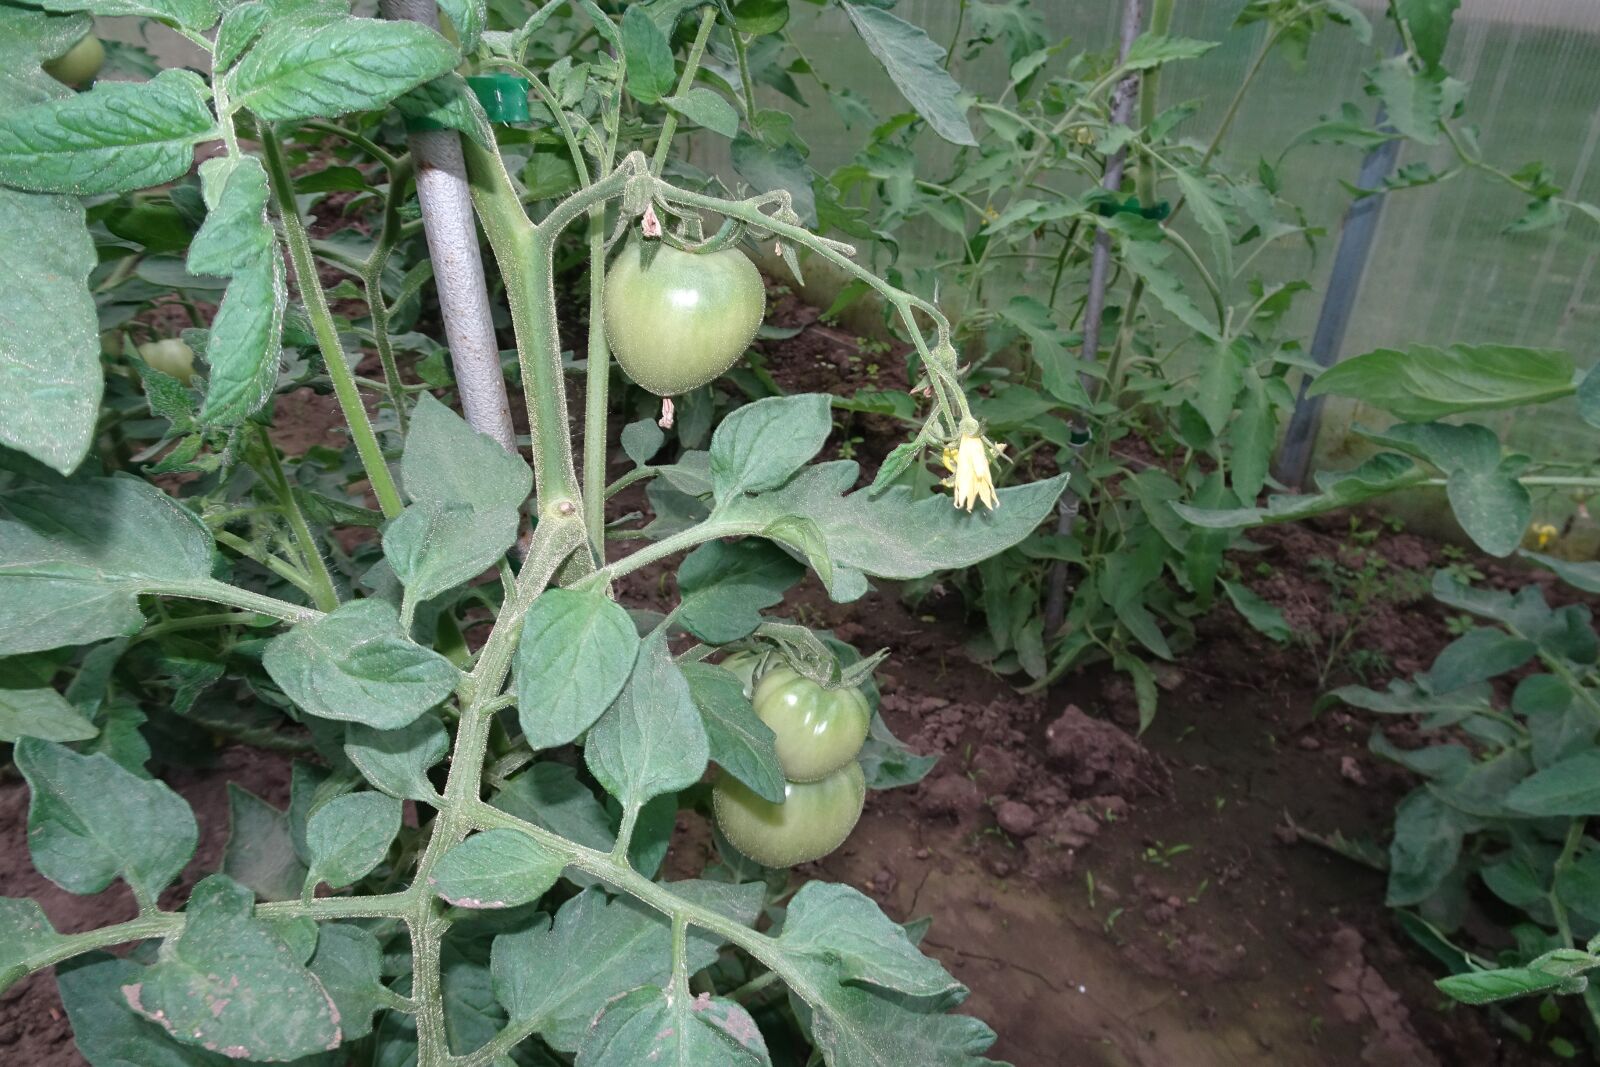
490 750
684 318
818 730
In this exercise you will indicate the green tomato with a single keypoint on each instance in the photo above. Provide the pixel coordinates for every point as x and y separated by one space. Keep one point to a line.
80 64
813 820
684 321
170 356
746 666
819 730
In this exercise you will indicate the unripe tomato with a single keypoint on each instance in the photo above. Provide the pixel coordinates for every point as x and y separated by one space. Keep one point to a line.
819 730
80 64
170 356
684 321
813 820
744 666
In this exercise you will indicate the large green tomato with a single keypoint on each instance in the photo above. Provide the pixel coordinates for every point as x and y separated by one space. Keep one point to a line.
819 730
813 820
80 64
685 320
745 666
170 356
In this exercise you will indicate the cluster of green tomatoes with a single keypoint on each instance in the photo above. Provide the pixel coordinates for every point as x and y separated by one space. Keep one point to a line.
820 731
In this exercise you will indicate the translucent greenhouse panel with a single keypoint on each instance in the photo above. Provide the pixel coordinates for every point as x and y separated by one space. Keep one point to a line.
1442 268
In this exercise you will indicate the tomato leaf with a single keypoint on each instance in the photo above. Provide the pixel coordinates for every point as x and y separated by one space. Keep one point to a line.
496 869
117 137
90 821
321 65
466 492
916 66
576 652
350 835
260 853
651 1025
760 445
651 69
741 743
650 741
725 586
50 350
41 713
397 761
230 983
356 664
557 975
24 931
1422 383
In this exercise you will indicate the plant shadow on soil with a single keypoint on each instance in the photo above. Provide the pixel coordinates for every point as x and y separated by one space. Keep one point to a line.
1110 901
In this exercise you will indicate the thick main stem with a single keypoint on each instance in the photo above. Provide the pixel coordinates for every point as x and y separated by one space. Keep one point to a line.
524 255
327 334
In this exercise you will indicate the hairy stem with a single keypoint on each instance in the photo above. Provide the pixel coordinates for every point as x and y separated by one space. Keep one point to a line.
322 325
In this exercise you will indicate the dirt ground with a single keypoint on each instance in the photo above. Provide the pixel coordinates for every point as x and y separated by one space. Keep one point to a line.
1110 900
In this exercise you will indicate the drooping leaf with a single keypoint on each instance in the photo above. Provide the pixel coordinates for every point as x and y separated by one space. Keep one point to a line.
231 985
1415 102
349 964
24 931
74 557
496 869
190 14
235 234
1423 383
1383 473
116 137
916 66
576 652
760 445
652 1025
244 343
651 740
1427 841
899 533
397 761
1476 656
740 743
349 835
557 975
1264 617
465 494
90 821
838 926
41 713
355 664
260 853
448 103
50 380
322 65
724 587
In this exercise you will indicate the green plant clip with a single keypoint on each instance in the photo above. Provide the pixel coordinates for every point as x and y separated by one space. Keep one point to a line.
1155 212
504 98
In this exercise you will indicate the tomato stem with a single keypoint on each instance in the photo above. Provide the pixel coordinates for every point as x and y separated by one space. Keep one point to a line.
322 325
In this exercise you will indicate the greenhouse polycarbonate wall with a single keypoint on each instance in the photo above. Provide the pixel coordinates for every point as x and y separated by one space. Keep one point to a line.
1442 269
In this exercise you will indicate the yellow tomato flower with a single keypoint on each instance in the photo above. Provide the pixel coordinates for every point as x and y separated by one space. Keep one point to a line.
1543 534
968 462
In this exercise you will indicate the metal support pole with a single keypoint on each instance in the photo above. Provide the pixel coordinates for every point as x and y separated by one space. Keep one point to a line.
452 233
1292 464
1123 99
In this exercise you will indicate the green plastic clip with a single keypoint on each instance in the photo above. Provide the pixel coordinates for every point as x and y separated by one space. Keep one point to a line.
504 96
1156 212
